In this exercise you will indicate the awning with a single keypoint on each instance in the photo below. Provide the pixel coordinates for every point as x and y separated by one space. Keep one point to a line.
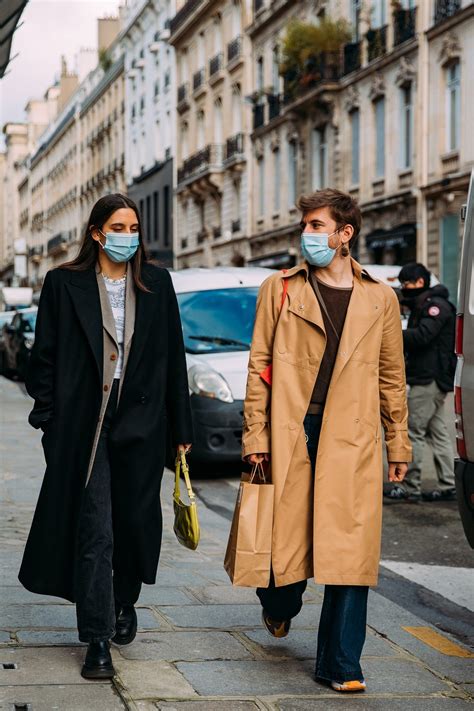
401 236
10 13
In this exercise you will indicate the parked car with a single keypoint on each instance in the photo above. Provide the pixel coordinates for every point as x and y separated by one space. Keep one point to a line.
18 338
464 378
217 309
6 317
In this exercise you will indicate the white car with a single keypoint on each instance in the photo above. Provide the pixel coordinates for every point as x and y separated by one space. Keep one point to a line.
217 308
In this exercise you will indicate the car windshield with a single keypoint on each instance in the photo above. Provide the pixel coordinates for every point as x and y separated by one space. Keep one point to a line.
218 321
5 318
29 322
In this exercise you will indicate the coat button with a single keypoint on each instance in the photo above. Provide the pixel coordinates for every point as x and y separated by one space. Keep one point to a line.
113 356
106 387
143 399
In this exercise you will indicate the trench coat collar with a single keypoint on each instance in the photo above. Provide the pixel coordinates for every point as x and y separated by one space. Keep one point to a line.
363 311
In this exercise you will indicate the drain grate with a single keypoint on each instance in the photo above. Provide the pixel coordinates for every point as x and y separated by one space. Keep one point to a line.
18 706
9 665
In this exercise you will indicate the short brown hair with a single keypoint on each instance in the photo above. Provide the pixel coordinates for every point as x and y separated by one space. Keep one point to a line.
343 208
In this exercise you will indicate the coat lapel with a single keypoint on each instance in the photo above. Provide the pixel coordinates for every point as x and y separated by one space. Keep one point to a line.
305 305
363 311
130 315
84 293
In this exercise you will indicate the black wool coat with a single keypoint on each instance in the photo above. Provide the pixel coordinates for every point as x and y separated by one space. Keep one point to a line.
65 378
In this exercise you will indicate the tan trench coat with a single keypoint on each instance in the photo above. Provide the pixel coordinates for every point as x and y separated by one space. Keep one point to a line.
328 527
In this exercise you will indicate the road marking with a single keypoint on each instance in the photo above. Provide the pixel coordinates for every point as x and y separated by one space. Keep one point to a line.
453 583
439 642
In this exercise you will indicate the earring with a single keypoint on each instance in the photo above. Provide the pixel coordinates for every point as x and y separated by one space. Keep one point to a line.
344 250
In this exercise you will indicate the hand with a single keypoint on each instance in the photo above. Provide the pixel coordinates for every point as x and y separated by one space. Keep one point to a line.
184 448
397 471
258 458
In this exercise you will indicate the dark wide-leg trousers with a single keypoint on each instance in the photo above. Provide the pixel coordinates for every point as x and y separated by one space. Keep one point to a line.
341 633
100 584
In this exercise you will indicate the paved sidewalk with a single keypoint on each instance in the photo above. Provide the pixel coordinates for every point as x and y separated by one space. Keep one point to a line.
200 644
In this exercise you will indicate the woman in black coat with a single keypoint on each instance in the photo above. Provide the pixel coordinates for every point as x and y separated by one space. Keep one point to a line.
108 376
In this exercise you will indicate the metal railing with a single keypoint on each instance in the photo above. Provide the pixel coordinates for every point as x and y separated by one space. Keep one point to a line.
185 12
258 115
403 25
201 162
274 106
235 226
445 9
376 42
234 48
352 57
321 68
215 64
183 92
234 146
198 79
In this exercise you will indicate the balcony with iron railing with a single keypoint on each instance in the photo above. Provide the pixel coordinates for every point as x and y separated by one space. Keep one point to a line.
215 65
275 102
199 78
234 49
404 25
352 57
445 9
234 147
320 71
235 226
182 96
57 244
202 162
376 43
184 14
258 115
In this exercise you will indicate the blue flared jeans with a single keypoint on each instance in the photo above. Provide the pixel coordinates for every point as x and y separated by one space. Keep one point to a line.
342 625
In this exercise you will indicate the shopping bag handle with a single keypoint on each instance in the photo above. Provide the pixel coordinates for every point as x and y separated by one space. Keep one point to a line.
182 465
258 467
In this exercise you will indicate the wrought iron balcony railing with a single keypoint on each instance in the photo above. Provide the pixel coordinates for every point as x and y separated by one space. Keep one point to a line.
376 42
198 79
235 227
215 64
234 146
258 115
274 106
234 49
445 9
403 25
352 57
186 11
183 92
201 162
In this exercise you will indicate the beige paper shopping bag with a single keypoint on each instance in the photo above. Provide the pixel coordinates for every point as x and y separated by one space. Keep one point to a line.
249 550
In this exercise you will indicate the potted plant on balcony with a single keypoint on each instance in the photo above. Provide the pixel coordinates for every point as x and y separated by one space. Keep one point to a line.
312 52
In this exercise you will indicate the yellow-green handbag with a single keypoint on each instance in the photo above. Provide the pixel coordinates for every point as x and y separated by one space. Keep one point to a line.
186 523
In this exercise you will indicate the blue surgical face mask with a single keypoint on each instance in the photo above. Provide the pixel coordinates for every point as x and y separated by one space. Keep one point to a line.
120 247
315 248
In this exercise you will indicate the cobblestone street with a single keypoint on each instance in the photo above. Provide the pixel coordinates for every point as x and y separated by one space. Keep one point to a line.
200 645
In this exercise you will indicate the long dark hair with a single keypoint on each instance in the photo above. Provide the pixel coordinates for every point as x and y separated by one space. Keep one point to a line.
88 254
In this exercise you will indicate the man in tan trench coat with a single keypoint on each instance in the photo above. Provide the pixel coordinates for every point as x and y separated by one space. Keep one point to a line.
326 370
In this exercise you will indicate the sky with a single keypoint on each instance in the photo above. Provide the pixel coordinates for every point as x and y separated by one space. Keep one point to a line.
50 29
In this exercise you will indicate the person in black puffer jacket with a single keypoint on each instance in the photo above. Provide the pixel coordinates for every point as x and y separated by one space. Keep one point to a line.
430 364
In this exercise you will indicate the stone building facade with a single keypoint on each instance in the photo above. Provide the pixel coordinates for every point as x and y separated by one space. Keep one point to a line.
386 120
213 190
150 121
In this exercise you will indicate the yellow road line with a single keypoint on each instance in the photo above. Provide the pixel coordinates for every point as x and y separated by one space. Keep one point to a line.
438 641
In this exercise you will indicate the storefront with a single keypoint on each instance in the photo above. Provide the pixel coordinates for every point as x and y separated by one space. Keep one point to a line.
394 246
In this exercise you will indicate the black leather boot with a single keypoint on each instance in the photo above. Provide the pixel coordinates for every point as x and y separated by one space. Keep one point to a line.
125 625
98 662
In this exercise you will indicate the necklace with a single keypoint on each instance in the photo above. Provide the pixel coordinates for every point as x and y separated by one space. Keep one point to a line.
121 280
